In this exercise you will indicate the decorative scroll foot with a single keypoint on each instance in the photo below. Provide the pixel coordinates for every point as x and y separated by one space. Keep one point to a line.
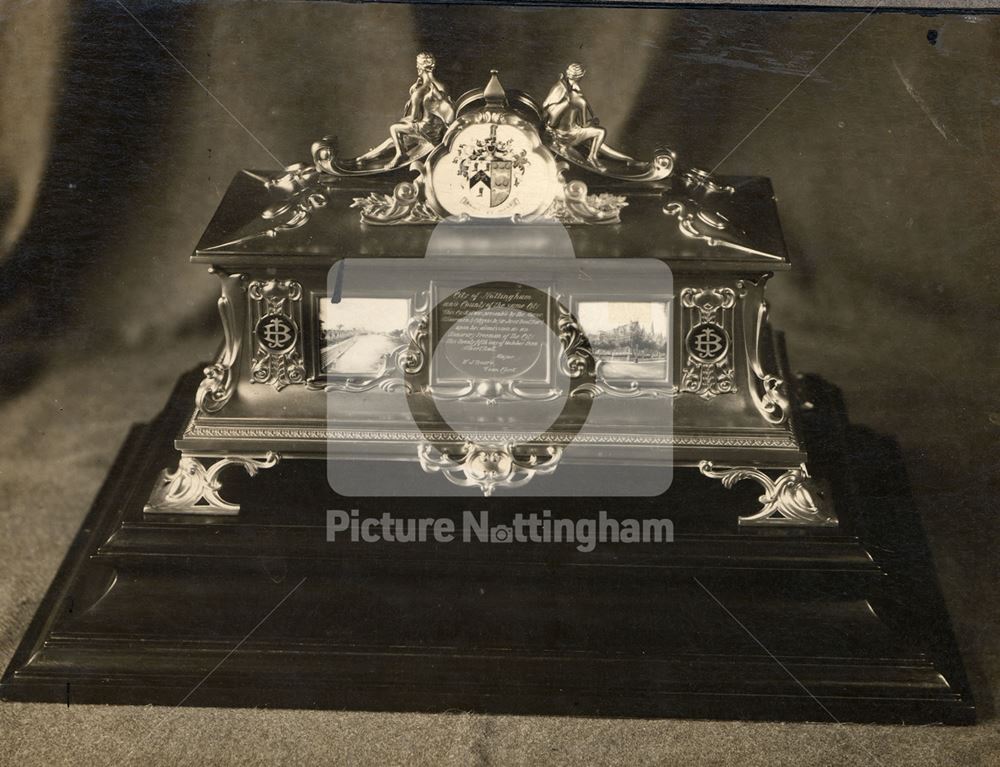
791 499
489 466
193 488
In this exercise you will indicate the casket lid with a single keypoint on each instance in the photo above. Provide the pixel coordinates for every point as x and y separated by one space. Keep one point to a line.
240 236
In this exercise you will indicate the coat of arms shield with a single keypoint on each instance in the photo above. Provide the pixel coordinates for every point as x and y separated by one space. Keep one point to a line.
491 178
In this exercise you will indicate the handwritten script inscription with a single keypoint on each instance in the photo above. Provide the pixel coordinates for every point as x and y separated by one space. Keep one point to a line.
493 333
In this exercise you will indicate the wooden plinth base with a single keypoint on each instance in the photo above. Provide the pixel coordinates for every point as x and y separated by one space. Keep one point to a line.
261 610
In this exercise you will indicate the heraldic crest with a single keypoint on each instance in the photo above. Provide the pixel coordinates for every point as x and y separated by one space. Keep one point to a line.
498 154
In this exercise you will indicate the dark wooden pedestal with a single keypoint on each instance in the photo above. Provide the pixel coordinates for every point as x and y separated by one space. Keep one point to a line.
260 610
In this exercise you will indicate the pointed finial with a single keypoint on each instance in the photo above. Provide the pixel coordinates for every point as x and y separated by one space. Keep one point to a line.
494 92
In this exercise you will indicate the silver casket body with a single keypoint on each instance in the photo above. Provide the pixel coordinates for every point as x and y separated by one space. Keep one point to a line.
282 245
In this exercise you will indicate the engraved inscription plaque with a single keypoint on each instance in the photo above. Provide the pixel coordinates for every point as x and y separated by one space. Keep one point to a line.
491 332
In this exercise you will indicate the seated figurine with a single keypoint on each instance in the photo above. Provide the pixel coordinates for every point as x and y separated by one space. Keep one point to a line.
427 113
571 121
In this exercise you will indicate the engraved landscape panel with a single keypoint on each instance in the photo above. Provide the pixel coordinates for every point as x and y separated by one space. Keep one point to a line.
357 333
630 338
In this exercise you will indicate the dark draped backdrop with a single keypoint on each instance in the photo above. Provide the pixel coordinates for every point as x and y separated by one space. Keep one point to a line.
117 142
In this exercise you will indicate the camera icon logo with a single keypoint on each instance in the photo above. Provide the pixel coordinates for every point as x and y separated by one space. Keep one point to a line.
501 534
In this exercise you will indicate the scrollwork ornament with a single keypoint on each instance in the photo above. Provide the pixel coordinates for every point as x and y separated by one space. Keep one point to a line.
626 390
708 381
704 185
404 206
774 404
489 466
791 499
490 392
578 358
697 210
219 383
767 391
280 371
578 206
193 488
215 389
275 292
303 195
